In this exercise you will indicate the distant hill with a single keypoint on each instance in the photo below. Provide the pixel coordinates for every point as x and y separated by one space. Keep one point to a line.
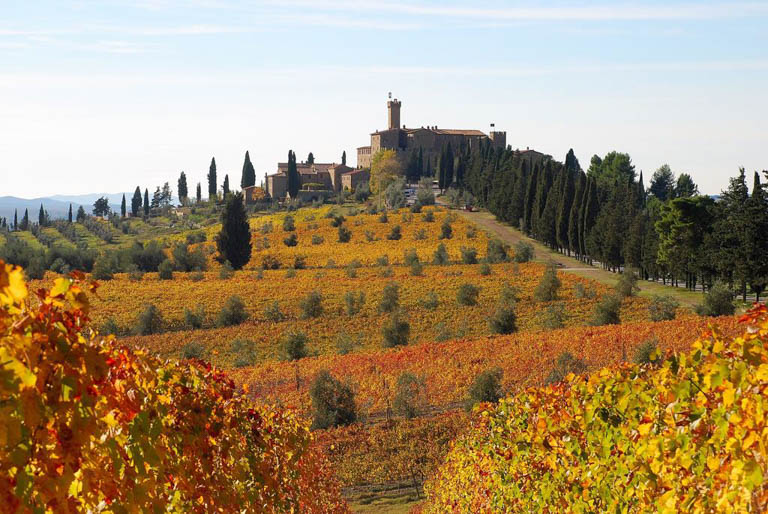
57 205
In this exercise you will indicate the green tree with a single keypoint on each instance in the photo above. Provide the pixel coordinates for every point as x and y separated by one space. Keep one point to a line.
182 188
101 207
234 240
69 216
249 173
294 180
333 403
225 186
25 220
344 158
663 183
123 208
80 215
212 184
310 159
199 193
41 216
146 202
685 186
136 202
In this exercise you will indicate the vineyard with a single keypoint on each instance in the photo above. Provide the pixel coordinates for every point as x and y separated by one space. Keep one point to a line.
685 433
91 425
336 296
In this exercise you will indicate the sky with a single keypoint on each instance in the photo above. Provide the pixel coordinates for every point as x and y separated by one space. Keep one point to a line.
107 95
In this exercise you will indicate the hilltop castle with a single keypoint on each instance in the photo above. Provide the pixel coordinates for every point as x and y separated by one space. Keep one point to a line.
430 140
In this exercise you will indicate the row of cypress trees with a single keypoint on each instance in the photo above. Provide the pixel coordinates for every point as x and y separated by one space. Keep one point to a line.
605 214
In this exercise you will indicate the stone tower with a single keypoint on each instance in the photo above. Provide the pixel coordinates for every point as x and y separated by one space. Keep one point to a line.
498 138
393 108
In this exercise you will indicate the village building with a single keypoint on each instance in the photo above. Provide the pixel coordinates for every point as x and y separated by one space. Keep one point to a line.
317 180
429 140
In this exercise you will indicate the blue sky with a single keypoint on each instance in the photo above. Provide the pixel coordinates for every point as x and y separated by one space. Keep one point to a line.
110 94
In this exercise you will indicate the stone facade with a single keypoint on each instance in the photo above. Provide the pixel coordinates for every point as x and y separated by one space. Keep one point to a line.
431 140
315 177
350 181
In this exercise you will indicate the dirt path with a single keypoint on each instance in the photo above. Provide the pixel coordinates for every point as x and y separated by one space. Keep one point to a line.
488 222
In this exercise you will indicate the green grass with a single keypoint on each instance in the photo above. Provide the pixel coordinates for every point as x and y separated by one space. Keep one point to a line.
397 501
31 240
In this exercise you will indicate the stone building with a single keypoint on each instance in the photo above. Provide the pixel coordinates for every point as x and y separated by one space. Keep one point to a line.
431 139
350 181
314 177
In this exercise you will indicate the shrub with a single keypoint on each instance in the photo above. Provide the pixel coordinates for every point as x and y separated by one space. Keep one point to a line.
288 224
149 321
273 313
196 237
266 228
417 269
109 327
504 320
383 218
523 252
485 269
446 232
387 272
395 234
468 255
337 221
351 271
270 262
226 271
607 311
467 294
390 298
291 240
565 363
293 346
430 302
554 317
579 291
549 285
333 403
410 395
165 270
312 305
103 268
186 261
663 308
428 217
440 257
395 331
354 302
192 350
717 302
424 194
196 276
345 343
627 284
370 236
410 257
194 319
646 353
362 192
290 273
471 232
233 312
317 239
486 388
442 332
344 234
243 351
420 235
382 260
416 208
496 252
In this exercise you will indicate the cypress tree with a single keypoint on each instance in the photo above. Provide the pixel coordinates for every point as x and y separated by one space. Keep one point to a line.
69 216
199 193
182 188
310 159
573 216
80 214
591 210
212 185
530 196
449 166
123 208
420 163
564 208
249 174
294 180
757 235
441 169
41 216
16 217
136 202
517 203
146 202
225 186
234 240
25 220
344 158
